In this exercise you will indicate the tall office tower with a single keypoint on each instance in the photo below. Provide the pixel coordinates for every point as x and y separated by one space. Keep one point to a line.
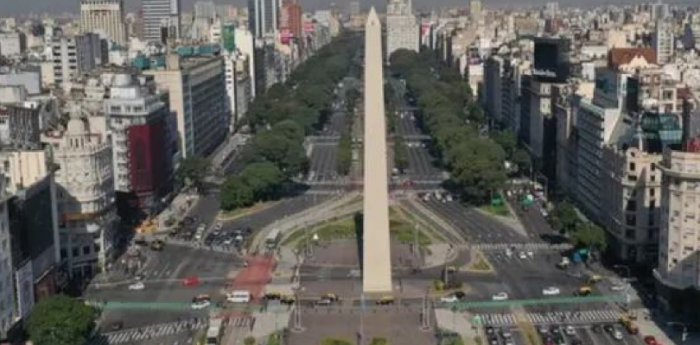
290 18
160 14
475 9
104 16
263 17
402 27
662 41
354 9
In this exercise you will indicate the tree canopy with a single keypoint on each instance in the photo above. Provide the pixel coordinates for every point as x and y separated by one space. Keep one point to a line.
192 171
61 320
450 115
280 120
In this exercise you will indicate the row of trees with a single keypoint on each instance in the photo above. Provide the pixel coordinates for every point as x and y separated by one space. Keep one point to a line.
400 153
566 220
450 115
280 120
343 161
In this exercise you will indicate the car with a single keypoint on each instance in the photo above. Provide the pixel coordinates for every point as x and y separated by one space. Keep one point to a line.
505 333
200 304
569 330
386 300
556 330
530 254
617 287
522 255
218 226
508 342
190 281
650 340
493 341
137 286
501 296
489 330
559 340
543 330
451 298
617 335
116 326
576 341
609 328
597 329
551 291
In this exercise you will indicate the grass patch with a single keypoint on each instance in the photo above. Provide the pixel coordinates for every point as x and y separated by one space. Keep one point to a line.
479 264
497 210
344 228
402 214
242 212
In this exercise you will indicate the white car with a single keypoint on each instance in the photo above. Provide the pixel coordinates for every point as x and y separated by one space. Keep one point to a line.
569 330
530 254
501 296
451 298
617 287
200 304
617 335
137 286
522 255
551 291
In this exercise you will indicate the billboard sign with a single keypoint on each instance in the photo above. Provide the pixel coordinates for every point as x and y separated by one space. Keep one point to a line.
25 289
286 35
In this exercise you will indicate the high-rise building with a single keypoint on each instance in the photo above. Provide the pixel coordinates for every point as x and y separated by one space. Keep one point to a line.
263 17
238 86
679 265
104 16
7 295
85 195
161 17
662 41
290 20
475 9
197 90
72 56
402 27
354 8
143 141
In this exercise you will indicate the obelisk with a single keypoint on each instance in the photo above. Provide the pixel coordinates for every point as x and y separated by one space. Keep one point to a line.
376 261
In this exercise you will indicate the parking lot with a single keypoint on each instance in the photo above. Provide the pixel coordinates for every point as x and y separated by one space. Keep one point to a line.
564 334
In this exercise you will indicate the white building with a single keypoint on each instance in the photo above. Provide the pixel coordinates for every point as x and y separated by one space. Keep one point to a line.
72 56
662 41
159 14
12 43
104 16
245 44
85 195
7 296
402 27
238 86
679 261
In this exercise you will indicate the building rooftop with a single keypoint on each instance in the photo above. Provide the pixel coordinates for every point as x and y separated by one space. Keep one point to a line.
623 56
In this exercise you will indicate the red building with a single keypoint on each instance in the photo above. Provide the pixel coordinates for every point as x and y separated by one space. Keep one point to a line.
290 20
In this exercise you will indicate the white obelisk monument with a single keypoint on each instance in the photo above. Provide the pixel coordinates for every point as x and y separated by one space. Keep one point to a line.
376 275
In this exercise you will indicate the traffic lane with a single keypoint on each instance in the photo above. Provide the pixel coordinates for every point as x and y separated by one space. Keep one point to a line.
323 161
177 262
206 208
141 318
476 227
278 212
422 163
533 221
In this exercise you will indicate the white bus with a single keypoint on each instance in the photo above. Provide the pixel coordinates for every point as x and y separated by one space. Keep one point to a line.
215 331
273 239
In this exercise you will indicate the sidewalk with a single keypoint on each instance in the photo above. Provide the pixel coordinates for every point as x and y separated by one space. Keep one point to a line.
176 211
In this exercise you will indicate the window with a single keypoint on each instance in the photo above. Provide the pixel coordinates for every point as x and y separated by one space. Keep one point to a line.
631 205
75 251
652 193
86 250
629 234
64 254
651 219
653 166
652 233
631 220
632 166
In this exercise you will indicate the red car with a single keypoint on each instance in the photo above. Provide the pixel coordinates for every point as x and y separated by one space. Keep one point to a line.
650 340
190 281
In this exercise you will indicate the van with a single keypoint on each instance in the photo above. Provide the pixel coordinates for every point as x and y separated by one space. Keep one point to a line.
238 296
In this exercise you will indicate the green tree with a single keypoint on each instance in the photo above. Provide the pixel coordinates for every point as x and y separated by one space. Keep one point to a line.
236 193
192 171
249 341
400 153
564 217
264 179
522 160
590 236
506 139
477 167
379 341
61 320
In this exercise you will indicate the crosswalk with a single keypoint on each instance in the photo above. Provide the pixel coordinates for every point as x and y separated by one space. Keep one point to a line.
163 330
533 246
569 317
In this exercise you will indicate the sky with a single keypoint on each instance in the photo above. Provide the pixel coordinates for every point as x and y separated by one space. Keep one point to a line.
18 7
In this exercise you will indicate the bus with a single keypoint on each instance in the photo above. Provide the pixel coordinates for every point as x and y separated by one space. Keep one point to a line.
215 331
273 239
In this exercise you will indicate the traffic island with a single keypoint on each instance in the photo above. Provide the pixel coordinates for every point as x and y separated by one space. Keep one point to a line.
478 264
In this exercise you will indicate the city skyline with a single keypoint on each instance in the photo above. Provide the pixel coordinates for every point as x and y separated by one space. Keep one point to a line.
58 6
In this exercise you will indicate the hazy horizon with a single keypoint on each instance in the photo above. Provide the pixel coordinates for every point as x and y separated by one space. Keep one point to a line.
11 8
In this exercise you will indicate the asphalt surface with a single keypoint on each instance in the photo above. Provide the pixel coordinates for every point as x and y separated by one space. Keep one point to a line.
476 227
323 162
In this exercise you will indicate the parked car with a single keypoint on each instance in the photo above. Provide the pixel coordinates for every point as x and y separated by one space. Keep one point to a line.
501 296
137 286
569 330
551 291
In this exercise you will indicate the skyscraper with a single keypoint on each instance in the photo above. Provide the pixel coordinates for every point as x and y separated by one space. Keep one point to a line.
402 27
662 41
105 16
159 14
263 17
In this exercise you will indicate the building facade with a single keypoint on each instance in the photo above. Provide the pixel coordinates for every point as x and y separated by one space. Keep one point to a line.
160 16
85 195
7 296
263 17
197 94
104 16
402 27
12 44
72 56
